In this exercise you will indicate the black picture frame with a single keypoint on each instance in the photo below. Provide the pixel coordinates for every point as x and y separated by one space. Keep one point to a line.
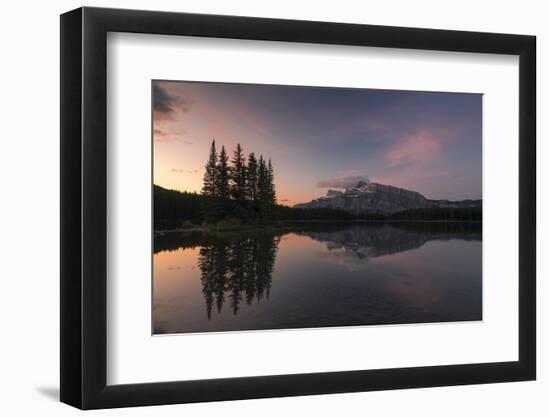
84 207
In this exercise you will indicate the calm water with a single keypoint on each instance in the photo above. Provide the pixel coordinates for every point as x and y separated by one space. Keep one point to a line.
317 275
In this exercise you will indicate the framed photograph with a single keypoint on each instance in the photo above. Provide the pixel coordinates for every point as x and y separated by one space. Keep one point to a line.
257 208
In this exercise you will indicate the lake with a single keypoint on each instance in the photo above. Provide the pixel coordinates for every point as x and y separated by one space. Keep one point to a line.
317 275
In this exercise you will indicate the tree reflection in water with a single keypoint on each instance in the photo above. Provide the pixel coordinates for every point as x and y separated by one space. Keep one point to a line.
237 266
234 270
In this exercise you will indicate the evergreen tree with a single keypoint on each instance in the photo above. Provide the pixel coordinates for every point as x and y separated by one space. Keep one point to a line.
206 263
239 271
244 191
222 176
262 193
238 174
266 190
252 178
271 196
210 173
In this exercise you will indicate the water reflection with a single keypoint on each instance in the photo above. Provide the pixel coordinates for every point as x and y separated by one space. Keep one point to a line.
358 241
240 268
326 275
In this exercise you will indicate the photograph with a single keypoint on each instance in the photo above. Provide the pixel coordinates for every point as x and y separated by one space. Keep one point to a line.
279 205
291 207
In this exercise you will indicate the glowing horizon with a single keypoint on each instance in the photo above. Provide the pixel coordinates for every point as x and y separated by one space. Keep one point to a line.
320 138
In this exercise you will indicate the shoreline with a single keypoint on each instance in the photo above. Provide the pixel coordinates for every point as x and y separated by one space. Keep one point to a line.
283 223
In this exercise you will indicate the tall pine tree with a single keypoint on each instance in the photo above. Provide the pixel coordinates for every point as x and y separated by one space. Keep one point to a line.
210 173
252 178
271 197
222 176
263 191
238 174
263 205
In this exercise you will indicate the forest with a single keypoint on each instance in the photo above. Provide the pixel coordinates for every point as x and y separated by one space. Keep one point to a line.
175 209
240 190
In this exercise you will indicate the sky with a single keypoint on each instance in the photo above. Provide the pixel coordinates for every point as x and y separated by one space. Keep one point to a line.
320 138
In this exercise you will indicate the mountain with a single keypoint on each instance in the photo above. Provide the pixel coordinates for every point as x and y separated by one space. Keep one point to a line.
385 239
379 198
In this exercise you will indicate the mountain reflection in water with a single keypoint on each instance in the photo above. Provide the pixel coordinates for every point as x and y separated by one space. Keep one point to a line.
316 275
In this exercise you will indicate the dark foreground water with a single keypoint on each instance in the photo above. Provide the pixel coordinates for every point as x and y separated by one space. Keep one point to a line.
317 275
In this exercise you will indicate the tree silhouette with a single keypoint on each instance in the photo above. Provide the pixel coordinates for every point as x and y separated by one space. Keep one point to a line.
264 204
210 172
252 178
220 275
262 180
238 174
240 191
207 266
237 269
271 197
222 176
236 255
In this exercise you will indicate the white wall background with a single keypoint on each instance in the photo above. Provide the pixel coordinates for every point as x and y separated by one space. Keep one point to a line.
29 225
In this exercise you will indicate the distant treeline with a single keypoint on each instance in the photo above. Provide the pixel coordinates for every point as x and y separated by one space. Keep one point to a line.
447 214
175 209
172 208
428 214
290 213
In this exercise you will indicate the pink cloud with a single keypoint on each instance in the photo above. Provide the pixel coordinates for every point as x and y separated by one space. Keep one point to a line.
421 148
343 181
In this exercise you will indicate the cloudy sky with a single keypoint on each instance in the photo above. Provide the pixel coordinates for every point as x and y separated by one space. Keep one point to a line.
320 138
